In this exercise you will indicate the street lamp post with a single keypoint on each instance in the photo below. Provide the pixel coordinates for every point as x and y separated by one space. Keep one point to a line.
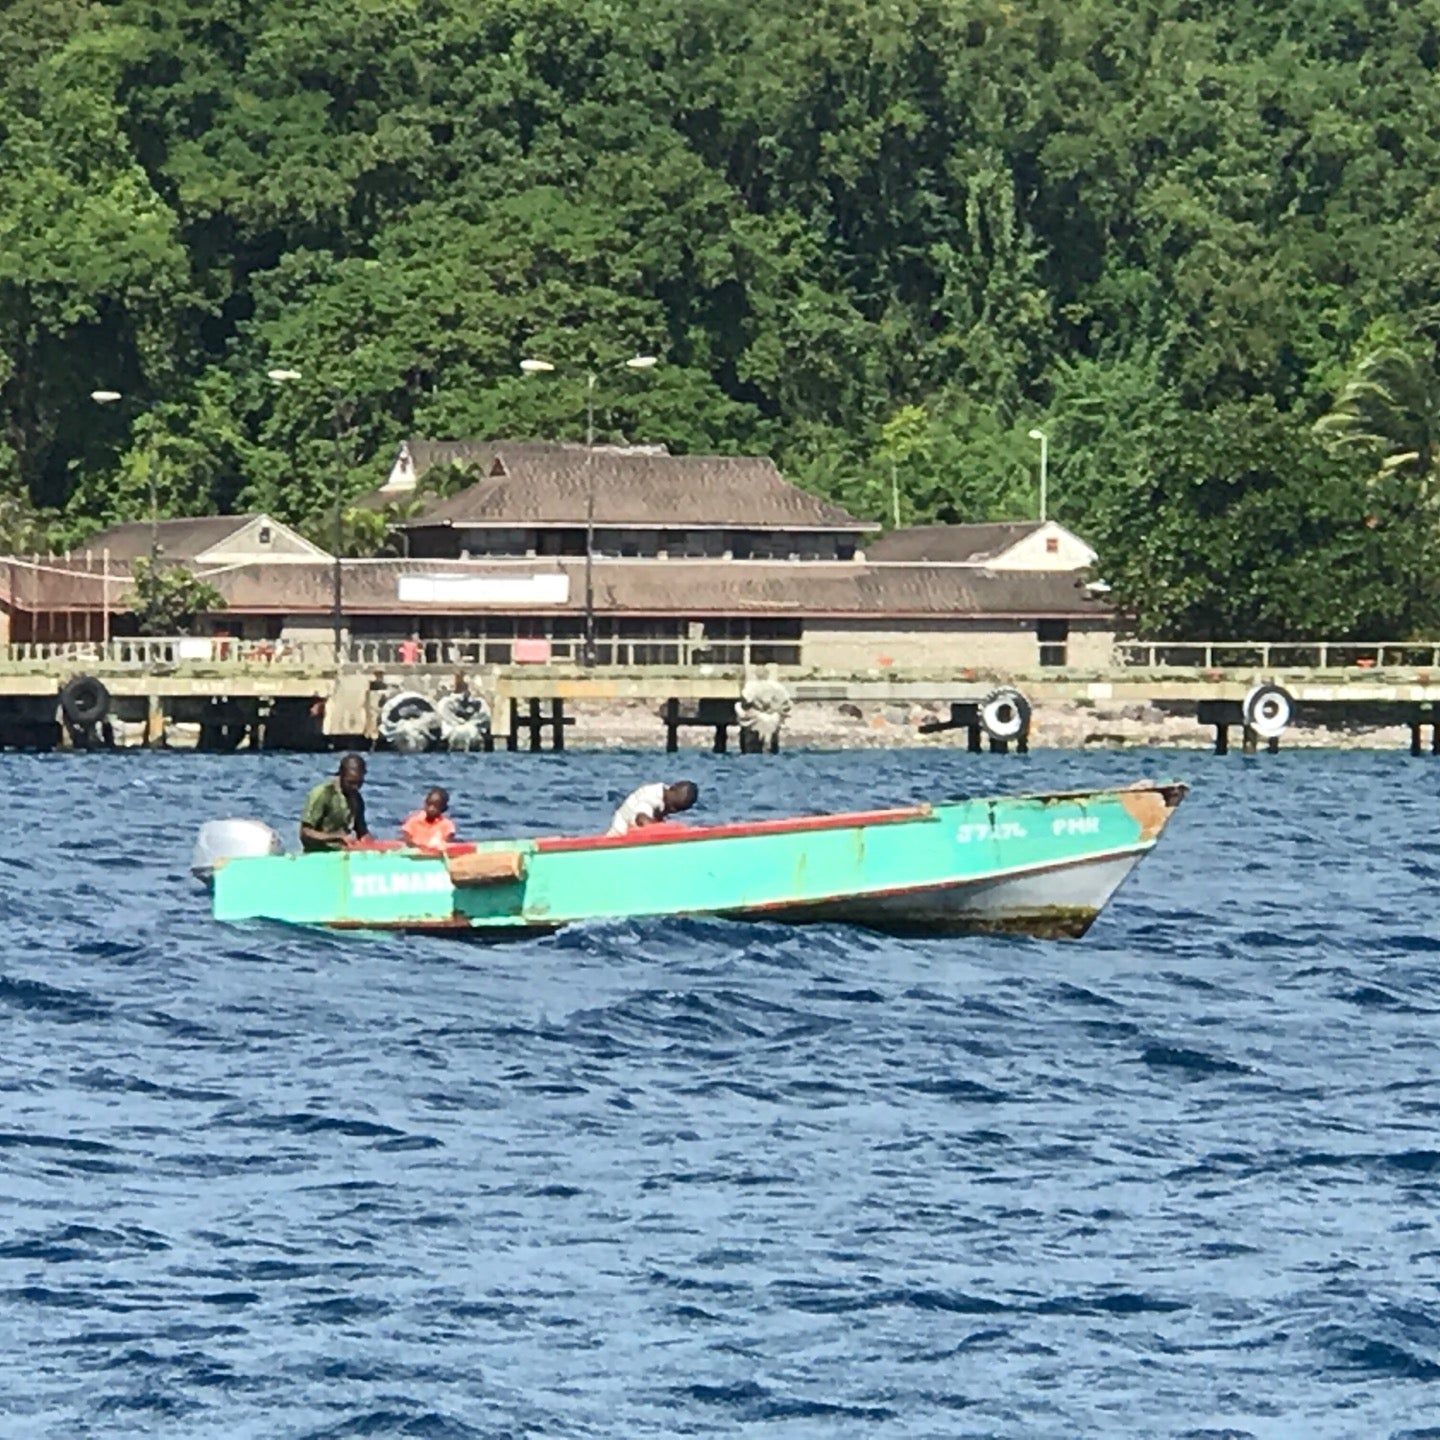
1044 440
113 397
540 367
337 597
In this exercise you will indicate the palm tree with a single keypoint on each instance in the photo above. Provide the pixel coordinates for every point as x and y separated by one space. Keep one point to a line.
1391 406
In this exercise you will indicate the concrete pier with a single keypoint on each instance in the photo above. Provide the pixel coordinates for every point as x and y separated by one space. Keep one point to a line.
312 702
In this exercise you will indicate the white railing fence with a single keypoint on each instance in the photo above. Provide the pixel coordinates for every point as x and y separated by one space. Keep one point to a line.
152 652
163 652
227 652
1274 655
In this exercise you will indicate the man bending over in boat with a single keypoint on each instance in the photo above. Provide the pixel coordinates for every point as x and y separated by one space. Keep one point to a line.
651 804
430 828
334 813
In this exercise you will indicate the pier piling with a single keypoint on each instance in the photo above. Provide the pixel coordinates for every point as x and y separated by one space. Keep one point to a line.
536 724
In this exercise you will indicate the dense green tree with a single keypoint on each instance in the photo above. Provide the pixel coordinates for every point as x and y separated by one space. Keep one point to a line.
880 239
1390 410
167 598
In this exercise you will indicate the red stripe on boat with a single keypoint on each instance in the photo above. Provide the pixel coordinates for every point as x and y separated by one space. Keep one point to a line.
670 834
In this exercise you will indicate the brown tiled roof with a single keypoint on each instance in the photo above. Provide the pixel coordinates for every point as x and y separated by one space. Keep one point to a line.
179 539
674 491
50 583
478 455
653 587
953 544
427 454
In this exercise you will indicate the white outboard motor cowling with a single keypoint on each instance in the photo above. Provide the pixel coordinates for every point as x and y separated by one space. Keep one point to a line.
221 840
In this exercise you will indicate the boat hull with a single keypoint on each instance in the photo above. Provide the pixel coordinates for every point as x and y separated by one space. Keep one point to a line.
1052 903
1042 865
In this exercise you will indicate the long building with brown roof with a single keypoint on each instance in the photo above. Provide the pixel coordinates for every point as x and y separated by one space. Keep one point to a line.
705 559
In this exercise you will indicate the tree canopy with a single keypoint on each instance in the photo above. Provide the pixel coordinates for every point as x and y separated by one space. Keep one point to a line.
1194 243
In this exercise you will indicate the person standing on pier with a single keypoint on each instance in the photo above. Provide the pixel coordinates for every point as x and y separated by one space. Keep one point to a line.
651 804
334 814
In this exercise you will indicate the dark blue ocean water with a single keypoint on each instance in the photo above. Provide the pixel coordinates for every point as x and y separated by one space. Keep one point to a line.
1179 1178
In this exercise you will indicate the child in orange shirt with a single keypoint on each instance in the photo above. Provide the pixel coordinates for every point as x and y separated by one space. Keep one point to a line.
430 828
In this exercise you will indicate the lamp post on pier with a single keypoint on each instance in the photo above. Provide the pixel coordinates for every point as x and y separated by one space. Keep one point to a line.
114 397
283 376
531 366
1044 440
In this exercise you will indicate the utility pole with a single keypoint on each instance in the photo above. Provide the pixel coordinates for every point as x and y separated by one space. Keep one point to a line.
1044 440
592 377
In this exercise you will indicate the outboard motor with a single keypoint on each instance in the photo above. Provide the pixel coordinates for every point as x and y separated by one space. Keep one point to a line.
221 840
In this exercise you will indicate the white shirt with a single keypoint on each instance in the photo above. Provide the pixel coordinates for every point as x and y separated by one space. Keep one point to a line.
648 800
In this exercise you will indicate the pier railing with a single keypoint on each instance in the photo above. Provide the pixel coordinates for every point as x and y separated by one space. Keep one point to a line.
159 653
1275 655
162 652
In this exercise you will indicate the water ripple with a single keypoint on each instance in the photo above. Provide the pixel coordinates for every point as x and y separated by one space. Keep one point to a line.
690 1178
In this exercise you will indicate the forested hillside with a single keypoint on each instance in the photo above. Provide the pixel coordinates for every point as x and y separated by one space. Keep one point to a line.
862 235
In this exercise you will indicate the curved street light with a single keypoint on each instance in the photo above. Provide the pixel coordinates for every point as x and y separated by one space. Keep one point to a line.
533 366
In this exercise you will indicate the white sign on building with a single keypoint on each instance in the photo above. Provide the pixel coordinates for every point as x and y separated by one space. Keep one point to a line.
552 588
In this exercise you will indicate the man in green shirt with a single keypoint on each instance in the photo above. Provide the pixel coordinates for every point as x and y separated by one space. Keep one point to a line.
335 810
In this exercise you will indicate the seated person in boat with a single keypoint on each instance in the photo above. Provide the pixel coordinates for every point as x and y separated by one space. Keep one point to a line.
334 814
430 828
652 803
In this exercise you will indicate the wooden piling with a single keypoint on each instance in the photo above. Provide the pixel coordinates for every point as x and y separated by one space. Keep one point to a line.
535 724
154 723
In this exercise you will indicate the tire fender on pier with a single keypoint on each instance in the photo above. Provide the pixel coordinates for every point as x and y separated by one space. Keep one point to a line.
409 721
84 701
762 708
1268 710
1005 714
464 719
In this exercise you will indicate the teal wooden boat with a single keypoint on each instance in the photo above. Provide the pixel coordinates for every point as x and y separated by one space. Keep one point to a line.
1039 865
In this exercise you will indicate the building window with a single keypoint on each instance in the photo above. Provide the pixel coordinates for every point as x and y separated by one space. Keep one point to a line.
1052 544
1053 636
567 542
264 534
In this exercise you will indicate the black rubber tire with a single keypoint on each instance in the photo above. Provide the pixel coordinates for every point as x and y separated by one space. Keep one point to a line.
1268 710
1005 714
85 701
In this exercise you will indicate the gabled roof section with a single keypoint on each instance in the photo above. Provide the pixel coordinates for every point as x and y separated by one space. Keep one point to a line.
550 487
951 544
195 540
416 458
179 539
